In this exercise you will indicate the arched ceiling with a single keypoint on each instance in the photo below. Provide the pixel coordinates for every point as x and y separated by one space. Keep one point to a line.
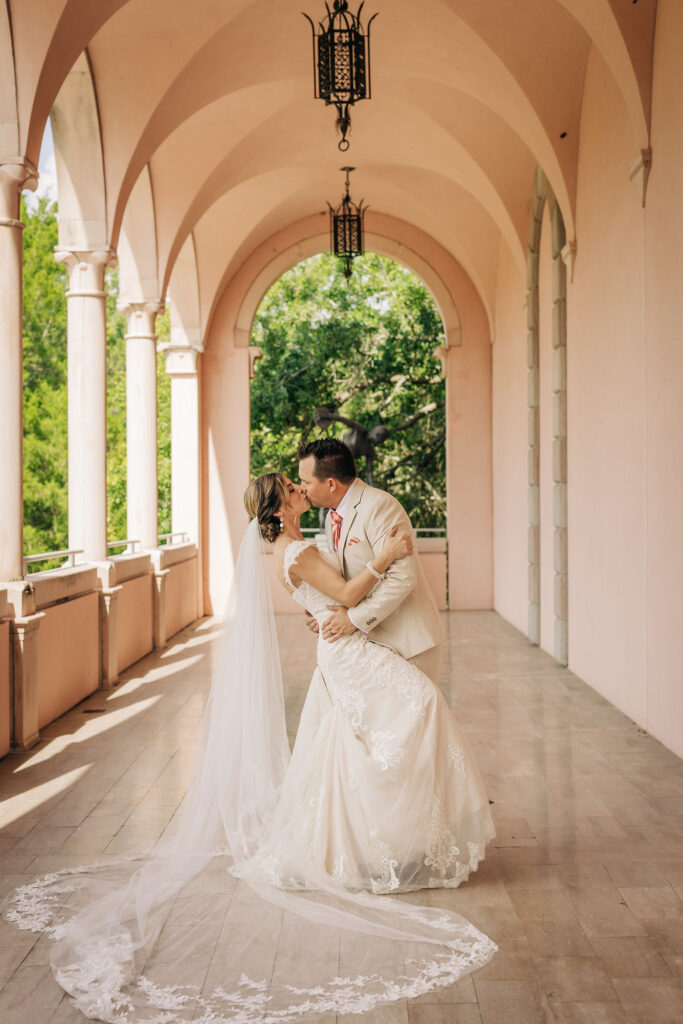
213 101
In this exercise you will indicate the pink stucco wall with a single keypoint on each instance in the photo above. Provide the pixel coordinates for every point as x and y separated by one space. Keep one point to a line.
663 389
625 404
225 465
606 409
181 595
68 656
469 480
134 620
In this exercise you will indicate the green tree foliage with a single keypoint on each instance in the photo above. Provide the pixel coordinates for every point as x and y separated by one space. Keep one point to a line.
116 413
163 328
45 400
45 397
365 348
116 418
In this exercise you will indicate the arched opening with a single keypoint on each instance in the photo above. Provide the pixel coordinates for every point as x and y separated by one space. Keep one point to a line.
466 361
72 208
357 359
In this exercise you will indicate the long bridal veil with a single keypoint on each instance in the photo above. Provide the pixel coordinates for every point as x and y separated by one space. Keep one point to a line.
174 936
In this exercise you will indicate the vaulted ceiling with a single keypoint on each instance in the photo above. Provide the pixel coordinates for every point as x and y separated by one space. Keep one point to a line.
206 107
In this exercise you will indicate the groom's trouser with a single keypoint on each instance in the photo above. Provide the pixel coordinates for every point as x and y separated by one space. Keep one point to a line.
429 662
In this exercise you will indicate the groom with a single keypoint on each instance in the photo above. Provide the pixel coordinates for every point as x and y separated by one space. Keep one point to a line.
400 612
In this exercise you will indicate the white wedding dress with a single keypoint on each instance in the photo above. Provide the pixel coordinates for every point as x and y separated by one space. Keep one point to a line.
381 783
272 898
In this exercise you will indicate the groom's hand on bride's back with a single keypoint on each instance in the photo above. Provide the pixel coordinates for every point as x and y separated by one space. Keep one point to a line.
337 625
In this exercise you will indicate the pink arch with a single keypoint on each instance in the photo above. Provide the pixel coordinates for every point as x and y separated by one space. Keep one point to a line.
467 361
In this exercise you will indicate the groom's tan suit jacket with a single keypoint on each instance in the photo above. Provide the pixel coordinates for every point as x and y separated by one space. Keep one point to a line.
400 612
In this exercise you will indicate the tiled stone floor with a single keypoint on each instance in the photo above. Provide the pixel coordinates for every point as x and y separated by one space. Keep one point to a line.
581 889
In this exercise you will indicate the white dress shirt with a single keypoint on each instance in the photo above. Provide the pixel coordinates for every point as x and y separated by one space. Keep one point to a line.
344 503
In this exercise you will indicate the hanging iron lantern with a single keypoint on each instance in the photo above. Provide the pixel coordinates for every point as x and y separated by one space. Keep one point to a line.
346 228
341 61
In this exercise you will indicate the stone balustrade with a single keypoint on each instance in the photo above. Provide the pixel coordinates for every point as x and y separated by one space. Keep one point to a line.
67 632
176 574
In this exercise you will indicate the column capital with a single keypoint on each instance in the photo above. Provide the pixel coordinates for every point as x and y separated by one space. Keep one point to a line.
15 174
140 317
89 257
86 269
133 307
181 360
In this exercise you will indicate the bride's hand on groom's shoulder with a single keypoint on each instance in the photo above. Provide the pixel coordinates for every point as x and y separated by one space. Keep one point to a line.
312 623
397 545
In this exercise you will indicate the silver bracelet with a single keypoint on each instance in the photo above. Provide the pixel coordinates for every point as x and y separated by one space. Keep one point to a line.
377 575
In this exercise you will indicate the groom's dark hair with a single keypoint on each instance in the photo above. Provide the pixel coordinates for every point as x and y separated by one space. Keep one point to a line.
332 458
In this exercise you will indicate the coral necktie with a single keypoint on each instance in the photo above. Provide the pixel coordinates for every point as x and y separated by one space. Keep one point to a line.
336 527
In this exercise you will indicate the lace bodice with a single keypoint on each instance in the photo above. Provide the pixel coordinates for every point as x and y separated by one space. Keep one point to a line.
314 601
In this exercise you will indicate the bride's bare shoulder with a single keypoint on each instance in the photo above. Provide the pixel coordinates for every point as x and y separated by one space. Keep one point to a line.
279 550
280 546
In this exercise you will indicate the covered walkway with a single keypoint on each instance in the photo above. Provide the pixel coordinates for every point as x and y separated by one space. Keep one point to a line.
581 889
522 158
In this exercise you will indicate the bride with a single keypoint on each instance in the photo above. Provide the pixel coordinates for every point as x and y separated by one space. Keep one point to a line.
272 896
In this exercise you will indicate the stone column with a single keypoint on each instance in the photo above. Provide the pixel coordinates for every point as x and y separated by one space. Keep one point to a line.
141 422
87 398
181 366
14 176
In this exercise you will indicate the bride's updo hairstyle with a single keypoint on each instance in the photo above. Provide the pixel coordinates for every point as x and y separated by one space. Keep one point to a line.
262 498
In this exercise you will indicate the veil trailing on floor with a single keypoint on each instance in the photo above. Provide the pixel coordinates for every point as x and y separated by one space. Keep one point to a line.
173 935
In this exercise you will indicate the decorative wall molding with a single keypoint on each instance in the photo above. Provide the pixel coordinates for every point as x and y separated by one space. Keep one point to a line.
639 172
568 254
